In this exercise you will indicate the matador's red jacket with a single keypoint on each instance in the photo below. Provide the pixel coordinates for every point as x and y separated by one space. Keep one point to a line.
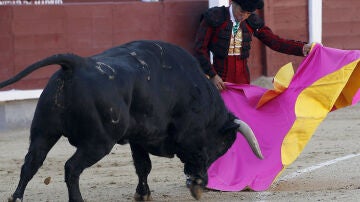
215 32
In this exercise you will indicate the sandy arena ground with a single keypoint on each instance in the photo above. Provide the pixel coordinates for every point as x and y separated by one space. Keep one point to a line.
327 170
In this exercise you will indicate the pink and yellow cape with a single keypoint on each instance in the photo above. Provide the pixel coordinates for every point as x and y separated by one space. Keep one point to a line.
285 118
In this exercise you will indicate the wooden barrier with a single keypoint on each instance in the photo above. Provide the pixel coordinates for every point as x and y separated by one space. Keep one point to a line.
32 32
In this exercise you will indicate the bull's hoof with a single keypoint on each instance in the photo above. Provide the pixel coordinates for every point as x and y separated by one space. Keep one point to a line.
196 191
11 199
138 197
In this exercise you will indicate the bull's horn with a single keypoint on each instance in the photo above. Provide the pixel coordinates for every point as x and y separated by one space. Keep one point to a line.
246 131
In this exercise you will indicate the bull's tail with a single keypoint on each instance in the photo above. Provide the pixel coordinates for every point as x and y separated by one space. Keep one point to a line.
67 61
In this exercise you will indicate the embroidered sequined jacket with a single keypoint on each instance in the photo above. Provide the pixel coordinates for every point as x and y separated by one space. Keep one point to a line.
214 35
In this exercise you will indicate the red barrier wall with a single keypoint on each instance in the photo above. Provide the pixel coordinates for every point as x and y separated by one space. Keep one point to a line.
29 33
289 20
341 24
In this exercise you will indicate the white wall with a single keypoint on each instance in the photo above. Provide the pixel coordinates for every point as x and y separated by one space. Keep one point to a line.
213 3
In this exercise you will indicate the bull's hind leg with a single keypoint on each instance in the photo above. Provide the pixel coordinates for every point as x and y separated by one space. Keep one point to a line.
83 158
40 144
142 164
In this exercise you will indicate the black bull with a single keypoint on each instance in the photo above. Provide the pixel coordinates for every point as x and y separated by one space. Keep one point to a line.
150 94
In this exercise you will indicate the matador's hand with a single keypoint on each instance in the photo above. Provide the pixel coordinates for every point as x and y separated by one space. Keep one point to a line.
218 82
306 49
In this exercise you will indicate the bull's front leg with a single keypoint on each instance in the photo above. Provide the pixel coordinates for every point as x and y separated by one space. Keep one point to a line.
142 165
196 179
196 171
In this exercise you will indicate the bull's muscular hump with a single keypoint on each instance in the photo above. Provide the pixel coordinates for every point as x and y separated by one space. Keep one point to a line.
150 94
